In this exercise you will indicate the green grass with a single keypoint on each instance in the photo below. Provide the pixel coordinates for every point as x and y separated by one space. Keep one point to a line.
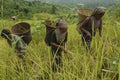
77 65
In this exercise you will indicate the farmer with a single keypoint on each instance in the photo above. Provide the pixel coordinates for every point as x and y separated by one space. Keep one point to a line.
90 26
17 39
58 43
15 42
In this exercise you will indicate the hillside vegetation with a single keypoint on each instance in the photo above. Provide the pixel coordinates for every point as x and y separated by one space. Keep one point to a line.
78 64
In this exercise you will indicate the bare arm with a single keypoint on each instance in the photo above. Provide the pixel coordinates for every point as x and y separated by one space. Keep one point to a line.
54 44
59 46
87 32
83 25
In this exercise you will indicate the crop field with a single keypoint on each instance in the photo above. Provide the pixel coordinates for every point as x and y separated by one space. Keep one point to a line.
78 64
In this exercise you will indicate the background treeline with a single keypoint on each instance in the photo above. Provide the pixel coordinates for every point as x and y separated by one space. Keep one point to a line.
26 9
88 3
114 11
32 8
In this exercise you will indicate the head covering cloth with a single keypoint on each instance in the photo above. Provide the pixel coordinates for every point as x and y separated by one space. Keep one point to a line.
98 10
61 36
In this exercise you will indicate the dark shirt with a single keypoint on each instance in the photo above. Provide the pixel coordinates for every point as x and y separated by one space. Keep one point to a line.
88 23
49 31
54 40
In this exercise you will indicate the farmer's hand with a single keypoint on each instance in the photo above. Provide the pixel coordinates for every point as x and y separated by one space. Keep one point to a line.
63 49
88 34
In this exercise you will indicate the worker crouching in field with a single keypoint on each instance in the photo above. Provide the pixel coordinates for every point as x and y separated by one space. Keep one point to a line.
18 39
58 43
91 24
15 42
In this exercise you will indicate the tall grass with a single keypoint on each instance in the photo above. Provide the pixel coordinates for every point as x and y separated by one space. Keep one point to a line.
79 64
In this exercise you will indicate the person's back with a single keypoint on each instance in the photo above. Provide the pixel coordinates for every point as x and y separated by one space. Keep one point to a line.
19 45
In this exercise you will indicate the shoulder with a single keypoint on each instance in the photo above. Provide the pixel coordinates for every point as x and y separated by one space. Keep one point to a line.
15 37
53 33
88 19
91 18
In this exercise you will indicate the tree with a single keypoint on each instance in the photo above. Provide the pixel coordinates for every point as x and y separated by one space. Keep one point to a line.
54 9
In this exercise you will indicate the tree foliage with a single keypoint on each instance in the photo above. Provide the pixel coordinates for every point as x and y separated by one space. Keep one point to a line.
25 9
114 10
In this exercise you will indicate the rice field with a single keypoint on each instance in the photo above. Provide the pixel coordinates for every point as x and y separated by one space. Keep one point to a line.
78 64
